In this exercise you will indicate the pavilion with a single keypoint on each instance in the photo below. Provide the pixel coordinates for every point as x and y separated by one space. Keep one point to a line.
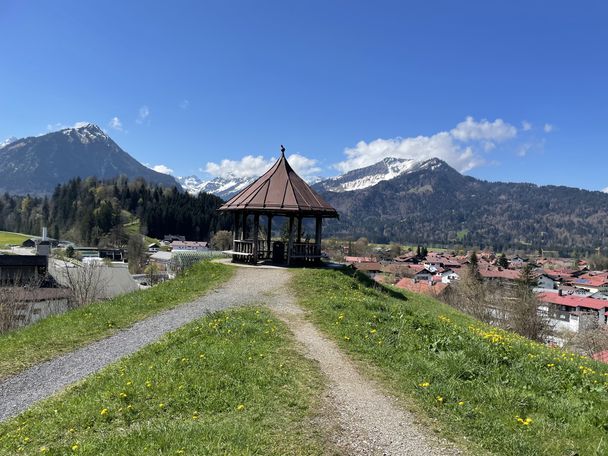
278 192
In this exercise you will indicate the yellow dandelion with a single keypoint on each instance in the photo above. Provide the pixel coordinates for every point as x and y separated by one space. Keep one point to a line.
424 384
346 338
439 399
161 405
123 395
75 447
240 407
104 411
44 450
461 403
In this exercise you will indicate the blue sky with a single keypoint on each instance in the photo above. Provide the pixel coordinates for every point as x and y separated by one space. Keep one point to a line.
510 91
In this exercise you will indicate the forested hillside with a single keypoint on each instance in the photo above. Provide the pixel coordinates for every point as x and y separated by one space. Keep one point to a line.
94 212
437 205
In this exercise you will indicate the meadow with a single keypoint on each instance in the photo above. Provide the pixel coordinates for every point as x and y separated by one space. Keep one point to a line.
7 238
230 383
52 336
489 390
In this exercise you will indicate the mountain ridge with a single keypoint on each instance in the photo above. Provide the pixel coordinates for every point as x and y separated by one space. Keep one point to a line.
37 164
437 205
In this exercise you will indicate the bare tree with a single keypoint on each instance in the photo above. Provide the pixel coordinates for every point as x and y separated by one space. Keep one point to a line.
86 282
591 340
14 311
152 272
222 240
475 297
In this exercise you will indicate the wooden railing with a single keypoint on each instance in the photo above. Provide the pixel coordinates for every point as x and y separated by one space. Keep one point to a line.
305 250
243 249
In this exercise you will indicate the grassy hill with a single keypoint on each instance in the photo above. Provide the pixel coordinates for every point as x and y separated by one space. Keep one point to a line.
501 392
7 238
231 383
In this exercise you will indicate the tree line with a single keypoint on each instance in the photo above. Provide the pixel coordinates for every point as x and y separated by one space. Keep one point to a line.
99 213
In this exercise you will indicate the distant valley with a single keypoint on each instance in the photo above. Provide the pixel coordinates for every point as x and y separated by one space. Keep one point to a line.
402 200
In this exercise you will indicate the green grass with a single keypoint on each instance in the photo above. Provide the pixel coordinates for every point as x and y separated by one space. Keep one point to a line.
134 227
231 383
475 380
7 238
63 333
460 235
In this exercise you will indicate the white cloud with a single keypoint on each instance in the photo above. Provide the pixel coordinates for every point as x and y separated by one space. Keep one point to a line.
61 126
457 147
160 169
523 149
116 124
184 104
143 114
469 129
526 126
250 166
605 190
304 166
548 128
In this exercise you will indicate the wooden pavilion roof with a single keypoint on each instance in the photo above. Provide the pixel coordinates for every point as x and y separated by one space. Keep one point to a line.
280 190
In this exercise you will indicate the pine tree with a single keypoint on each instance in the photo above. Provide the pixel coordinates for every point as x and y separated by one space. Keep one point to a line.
503 262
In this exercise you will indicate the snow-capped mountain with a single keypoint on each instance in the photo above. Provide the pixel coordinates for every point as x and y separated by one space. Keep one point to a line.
384 170
35 165
7 141
224 187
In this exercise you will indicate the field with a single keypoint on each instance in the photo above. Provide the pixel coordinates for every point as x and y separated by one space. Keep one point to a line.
231 383
488 389
25 347
7 238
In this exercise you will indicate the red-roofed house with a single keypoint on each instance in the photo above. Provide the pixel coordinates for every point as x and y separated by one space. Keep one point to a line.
356 259
591 282
499 274
573 312
601 356
422 287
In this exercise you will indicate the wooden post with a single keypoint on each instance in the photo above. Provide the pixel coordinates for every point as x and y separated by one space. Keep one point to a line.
235 234
256 229
244 226
318 228
290 243
299 229
269 236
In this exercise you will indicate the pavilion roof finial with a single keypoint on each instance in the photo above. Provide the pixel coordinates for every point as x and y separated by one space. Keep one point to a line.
282 150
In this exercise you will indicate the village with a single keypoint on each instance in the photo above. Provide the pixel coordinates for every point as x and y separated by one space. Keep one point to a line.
571 295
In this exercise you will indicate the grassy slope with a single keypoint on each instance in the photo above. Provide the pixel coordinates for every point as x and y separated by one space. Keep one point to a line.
58 334
231 383
7 238
504 393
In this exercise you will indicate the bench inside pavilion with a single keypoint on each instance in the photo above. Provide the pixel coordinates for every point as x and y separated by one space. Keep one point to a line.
278 192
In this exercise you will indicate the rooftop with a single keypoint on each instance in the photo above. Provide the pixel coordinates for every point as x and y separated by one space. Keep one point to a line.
280 190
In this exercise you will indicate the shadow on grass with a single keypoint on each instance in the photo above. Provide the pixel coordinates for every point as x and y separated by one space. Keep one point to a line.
368 282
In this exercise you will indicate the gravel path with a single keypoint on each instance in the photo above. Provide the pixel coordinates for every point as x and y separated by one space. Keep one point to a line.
370 422
18 392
